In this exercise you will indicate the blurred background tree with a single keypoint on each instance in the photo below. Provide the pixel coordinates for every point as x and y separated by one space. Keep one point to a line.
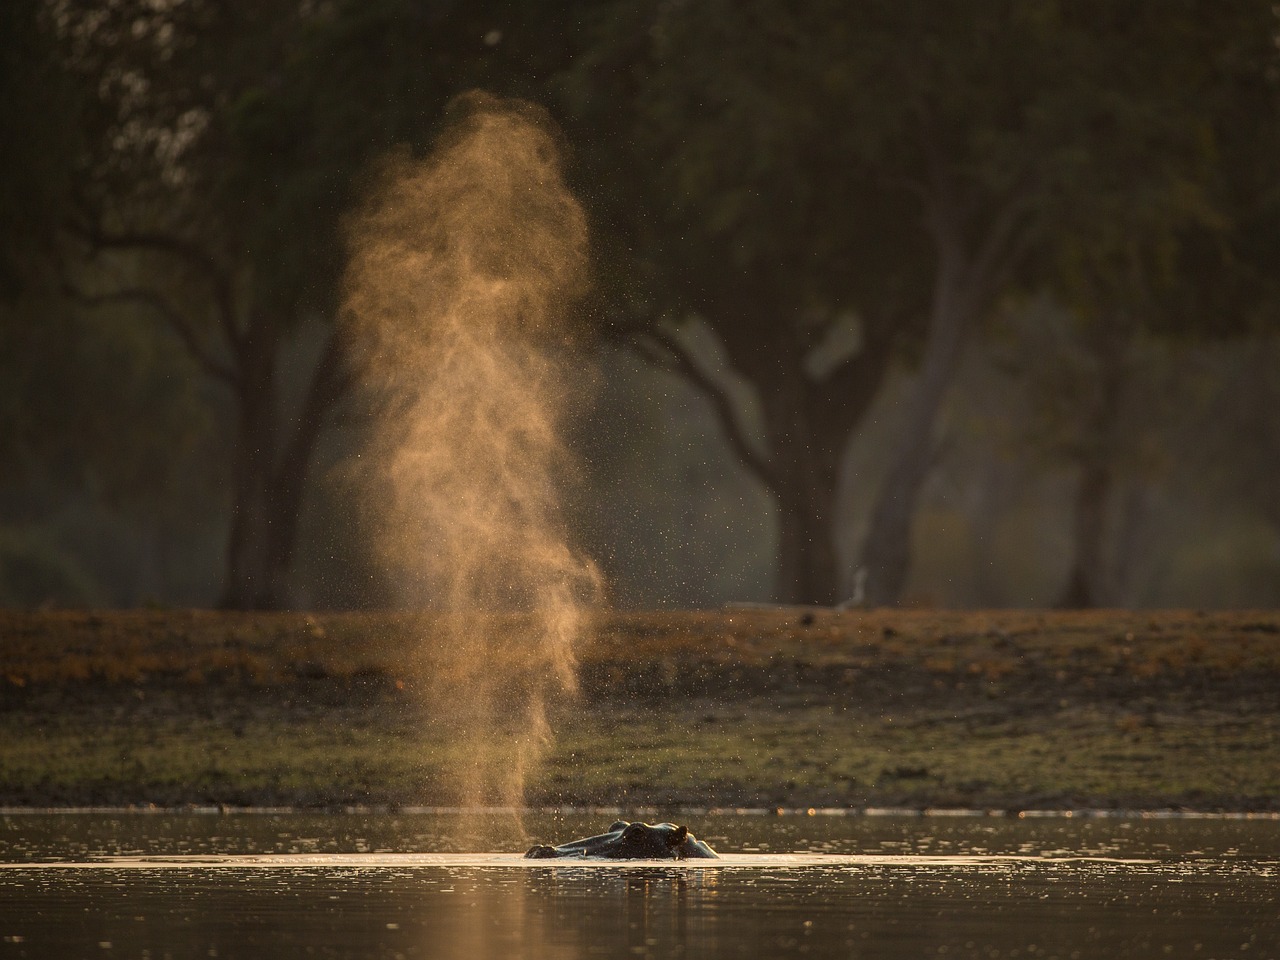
829 191
97 417
866 276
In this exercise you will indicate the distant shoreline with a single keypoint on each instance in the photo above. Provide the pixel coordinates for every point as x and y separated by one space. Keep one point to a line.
1118 712
870 812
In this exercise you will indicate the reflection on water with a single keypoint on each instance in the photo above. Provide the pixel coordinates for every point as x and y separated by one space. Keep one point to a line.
353 886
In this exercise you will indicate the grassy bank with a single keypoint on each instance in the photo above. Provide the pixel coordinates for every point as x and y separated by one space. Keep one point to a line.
1003 710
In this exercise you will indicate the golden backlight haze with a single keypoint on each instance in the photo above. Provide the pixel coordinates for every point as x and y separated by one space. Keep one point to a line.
464 270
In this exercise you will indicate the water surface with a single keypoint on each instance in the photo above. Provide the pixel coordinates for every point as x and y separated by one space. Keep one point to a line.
283 885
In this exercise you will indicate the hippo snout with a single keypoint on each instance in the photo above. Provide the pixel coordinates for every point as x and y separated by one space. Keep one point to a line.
631 841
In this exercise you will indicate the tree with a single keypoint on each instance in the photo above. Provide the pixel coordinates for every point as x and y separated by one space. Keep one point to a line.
38 124
224 146
795 169
1179 255
708 170
167 228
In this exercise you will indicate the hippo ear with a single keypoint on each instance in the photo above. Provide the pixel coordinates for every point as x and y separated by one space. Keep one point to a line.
677 836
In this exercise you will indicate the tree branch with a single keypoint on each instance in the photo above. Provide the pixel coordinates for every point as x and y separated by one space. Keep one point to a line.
849 389
192 254
666 351
948 208
179 324
1005 240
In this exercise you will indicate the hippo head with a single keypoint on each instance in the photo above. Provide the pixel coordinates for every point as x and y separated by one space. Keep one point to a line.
631 841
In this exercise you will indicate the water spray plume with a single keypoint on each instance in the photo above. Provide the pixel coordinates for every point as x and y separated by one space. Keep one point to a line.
464 270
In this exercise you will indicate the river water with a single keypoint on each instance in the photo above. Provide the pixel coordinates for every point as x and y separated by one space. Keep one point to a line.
276 885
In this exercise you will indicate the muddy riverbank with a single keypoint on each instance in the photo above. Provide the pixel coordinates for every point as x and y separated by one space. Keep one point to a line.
999 710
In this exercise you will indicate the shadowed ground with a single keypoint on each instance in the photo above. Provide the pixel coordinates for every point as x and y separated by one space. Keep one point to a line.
1003 710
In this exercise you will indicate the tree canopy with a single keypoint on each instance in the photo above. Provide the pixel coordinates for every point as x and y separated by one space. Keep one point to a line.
792 203
791 169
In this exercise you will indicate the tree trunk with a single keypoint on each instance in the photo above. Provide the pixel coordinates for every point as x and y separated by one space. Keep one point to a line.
270 484
808 569
886 551
1087 582
1085 578
264 529
250 582
805 444
998 483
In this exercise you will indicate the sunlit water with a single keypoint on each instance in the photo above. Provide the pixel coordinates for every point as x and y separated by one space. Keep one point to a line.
282 885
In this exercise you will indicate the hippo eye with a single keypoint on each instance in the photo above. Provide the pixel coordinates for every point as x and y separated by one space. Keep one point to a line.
634 831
